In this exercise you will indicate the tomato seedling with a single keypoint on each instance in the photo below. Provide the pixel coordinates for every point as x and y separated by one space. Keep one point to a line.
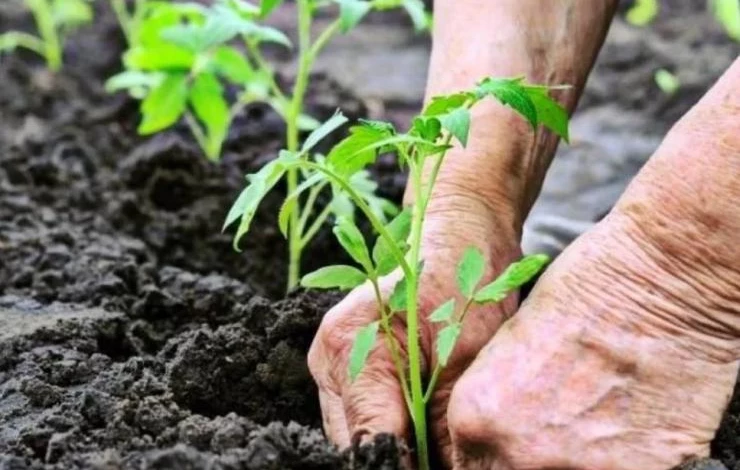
260 85
54 20
398 243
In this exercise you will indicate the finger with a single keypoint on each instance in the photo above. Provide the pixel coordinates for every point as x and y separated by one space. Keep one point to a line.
332 415
374 403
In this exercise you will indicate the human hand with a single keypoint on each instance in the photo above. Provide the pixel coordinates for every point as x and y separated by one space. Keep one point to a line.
374 402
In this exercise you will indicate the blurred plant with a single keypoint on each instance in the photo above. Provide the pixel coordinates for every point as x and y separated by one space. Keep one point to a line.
130 20
398 243
643 12
667 82
54 20
257 77
727 13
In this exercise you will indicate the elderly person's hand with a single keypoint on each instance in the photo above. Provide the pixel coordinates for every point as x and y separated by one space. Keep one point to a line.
626 353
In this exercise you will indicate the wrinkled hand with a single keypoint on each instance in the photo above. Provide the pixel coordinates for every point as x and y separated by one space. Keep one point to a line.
626 353
374 402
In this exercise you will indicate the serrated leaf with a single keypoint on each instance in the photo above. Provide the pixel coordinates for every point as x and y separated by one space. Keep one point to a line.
549 112
267 7
332 124
164 105
428 128
231 64
470 271
210 106
457 123
352 241
643 12
399 229
445 103
200 38
418 14
351 13
334 277
397 300
364 342
510 92
248 201
356 151
443 313
446 340
513 277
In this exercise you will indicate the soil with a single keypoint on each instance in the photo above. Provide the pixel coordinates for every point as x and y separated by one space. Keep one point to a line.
132 335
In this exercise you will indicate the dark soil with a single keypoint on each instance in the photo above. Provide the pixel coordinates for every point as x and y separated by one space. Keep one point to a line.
132 336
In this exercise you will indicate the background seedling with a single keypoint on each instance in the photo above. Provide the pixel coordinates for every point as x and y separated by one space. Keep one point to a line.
398 243
260 85
54 20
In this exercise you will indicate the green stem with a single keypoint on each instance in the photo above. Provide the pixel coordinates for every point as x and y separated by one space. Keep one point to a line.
41 10
391 341
438 367
315 226
418 408
291 121
324 39
124 19
362 205
199 135
313 194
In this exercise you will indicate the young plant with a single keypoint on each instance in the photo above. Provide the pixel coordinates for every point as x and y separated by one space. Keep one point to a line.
130 20
258 79
54 20
398 243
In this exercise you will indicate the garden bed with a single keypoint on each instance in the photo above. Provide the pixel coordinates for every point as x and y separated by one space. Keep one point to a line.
132 336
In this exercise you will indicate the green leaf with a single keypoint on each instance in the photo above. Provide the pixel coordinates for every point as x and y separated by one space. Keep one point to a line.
164 105
643 12
132 79
322 131
233 65
352 241
397 300
667 82
200 38
446 339
351 13
162 57
443 313
291 201
418 14
513 277
470 271
446 103
244 8
210 106
334 277
457 123
267 7
356 151
365 187
71 13
364 342
246 204
549 112
727 13
307 123
428 128
399 229
509 91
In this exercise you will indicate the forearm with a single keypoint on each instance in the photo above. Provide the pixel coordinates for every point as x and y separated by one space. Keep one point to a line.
550 42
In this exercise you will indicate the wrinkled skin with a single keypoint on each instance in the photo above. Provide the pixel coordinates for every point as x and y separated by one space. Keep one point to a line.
374 402
626 353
